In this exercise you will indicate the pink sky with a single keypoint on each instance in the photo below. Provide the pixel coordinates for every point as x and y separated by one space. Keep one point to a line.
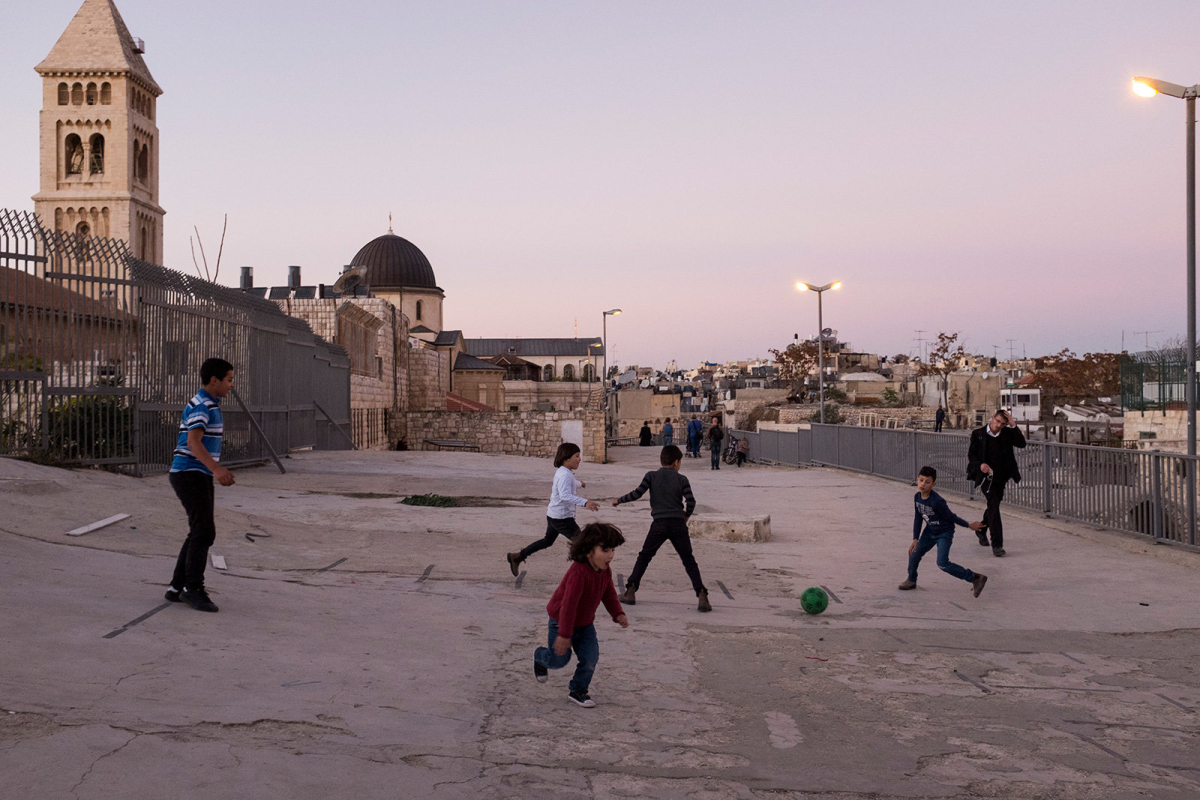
981 168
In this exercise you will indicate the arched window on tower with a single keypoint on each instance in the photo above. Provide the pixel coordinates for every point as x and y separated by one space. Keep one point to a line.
74 153
82 229
77 94
143 164
548 372
145 244
92 94
106 94
420 308
64 94
97 165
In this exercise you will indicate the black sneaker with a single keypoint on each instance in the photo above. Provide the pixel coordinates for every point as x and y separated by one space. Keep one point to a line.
514 563
199 600
983 540
173 595
998 551
581 699
978 584
539 672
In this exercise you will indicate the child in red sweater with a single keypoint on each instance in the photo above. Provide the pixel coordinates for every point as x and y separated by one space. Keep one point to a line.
573 607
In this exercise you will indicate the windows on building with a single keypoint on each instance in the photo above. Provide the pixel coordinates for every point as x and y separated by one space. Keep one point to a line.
77 94
93 94
74 154
106 94
569 372
96 167
420 309
548 372
64 94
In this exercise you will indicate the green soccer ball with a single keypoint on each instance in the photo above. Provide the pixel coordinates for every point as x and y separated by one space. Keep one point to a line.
814 600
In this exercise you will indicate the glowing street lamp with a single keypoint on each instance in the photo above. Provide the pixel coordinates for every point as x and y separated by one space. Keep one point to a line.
1148 87
820 290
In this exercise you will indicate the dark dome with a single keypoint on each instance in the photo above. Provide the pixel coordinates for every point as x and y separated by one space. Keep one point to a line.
392 261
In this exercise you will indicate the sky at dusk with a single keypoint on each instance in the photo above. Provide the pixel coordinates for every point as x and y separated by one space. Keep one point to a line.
972 167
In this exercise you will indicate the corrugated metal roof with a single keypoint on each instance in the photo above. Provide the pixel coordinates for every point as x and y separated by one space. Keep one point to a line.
486 348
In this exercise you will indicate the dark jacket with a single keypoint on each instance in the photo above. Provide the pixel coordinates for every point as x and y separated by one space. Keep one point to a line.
715 434
670 494
976 455
646 436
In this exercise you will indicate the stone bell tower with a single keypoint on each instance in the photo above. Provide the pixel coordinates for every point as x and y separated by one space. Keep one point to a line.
99 140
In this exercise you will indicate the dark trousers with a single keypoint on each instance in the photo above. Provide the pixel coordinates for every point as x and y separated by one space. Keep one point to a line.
674 531
741 457
694 445
937 428
195 492
715 447
994 492
942 541
554 528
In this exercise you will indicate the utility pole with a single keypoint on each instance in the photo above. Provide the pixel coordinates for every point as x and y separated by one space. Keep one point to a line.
1011 350
921 344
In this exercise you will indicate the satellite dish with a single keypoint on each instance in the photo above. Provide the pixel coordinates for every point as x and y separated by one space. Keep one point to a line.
352 277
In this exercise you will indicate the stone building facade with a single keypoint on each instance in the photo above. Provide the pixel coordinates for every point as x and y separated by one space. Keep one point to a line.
375 336
99 140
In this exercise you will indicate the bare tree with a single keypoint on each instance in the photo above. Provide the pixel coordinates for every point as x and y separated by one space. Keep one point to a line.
944 358
211 277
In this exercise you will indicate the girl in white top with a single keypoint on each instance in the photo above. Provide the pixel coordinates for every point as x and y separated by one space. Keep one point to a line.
560 513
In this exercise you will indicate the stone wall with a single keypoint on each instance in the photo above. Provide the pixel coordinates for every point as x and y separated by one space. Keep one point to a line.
1168 429
514 433
379 400
428 379
560 395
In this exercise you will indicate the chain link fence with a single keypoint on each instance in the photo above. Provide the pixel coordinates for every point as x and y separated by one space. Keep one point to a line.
1139 492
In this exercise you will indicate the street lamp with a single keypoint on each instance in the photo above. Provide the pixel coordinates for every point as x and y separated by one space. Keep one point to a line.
1148 87
612 312
808 287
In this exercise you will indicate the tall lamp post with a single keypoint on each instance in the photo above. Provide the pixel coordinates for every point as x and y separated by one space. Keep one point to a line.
820 290
612 312
1148 87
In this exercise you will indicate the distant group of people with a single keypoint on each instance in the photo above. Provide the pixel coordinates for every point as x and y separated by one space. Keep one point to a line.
696 437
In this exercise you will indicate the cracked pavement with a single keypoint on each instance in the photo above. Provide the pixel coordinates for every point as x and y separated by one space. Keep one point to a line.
369 649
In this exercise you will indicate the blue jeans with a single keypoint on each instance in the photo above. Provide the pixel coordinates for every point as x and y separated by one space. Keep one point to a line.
694 446
668 438
943 542
587 653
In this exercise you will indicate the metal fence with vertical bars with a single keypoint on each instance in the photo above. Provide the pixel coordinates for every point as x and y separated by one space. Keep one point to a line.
1135 491
99 353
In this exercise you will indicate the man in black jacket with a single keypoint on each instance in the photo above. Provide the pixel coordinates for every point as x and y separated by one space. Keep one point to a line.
991 463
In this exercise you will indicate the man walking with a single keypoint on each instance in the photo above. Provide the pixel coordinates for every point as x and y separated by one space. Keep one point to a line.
716 435
991 464
695 430
939 418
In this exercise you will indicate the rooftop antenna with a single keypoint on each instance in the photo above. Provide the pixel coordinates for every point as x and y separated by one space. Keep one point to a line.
1147 334
1010 348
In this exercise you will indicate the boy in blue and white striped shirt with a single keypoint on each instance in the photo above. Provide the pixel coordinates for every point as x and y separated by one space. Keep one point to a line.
197 453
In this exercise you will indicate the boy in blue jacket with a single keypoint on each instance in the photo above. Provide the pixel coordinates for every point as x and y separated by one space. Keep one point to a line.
939 522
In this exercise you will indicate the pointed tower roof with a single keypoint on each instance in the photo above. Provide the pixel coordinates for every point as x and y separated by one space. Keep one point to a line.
97 39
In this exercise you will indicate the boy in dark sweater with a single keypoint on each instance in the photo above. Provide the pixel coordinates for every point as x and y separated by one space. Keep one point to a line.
671 504
939 522
572 610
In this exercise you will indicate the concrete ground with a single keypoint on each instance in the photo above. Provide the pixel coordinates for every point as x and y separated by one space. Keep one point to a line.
369 649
